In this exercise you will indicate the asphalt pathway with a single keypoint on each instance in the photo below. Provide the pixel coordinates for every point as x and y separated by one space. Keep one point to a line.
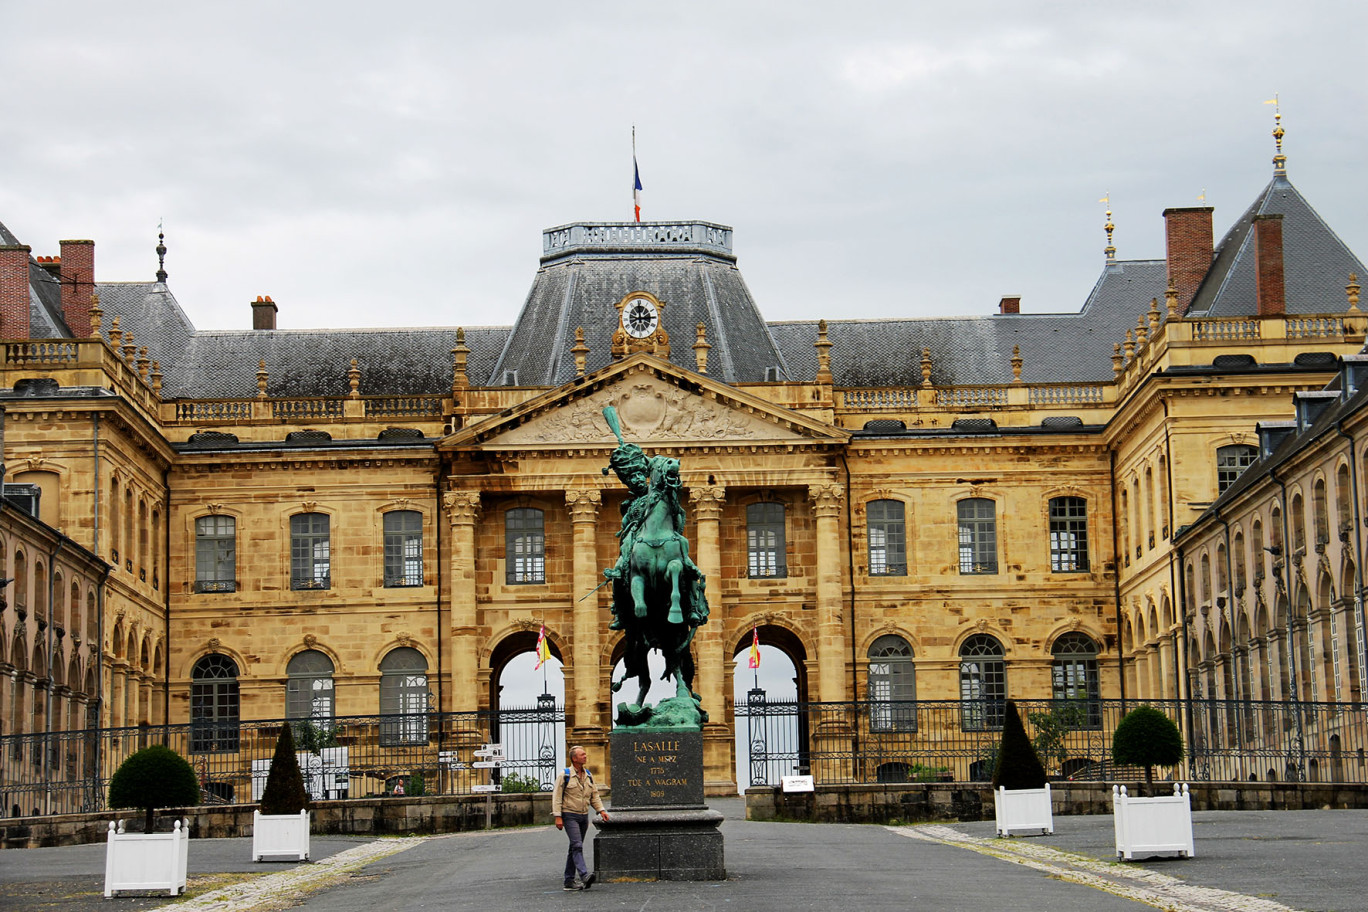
1246 862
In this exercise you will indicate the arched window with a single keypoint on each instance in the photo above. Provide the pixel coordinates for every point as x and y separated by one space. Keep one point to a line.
310 551
1148 497
114 521
215 554
21 581
309 689
1222 580
1123 520
403 697
214 704
765 544
525 546
1320 508
977 535
1297 516
1239 549
887 538
1231 461
983 683
403 548
892 685
1068 535
1073 679
1256 550
1343 500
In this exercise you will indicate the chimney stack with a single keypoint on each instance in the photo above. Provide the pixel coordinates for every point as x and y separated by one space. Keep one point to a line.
263 313
1190 248
14 292
1268 265
1010 304
78 284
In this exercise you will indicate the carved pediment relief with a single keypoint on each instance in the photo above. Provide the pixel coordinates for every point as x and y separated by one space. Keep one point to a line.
651 411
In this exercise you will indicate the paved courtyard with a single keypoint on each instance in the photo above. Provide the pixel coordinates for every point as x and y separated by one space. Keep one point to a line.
1257 861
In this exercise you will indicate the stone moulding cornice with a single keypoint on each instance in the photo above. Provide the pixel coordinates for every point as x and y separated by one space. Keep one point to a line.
257 464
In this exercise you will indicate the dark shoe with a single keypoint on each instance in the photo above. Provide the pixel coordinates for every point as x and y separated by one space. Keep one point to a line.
572 887
589 881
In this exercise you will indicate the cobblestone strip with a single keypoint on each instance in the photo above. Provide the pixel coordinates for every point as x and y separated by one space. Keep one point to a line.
284 889
1129 881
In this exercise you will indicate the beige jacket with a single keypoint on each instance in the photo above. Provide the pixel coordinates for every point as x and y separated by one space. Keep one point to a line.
575 795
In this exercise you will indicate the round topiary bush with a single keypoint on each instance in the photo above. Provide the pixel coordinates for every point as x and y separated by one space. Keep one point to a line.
1146 737
154 777
284 793
1018 766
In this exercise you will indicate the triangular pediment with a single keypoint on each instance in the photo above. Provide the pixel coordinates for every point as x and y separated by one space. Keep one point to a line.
657 405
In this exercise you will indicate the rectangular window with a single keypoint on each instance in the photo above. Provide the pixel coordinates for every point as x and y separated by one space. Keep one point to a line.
765 549
977 536
887 538
1068 535
310 551
215 554
403 548
524 546
26 497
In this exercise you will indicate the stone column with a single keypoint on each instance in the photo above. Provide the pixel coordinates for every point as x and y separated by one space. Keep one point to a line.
831 647
710 642
583 506
463 508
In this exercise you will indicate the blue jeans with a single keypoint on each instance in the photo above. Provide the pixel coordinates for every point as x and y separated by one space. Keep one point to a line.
576 825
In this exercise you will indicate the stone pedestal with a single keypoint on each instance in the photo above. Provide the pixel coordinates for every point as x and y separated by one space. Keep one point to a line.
660 827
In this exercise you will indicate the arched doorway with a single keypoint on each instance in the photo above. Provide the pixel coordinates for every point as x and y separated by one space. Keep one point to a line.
527 712
769 724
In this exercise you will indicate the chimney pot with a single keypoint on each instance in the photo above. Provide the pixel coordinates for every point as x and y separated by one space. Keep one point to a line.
1190 248
263 313
1010 304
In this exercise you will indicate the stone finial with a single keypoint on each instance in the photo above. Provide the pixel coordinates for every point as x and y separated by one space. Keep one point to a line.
115 334
129 349
581 352
143 362
1352 290
354 381
262 377
1141 332
823 346
1117 359
1016 363
1153 315
700 347
156 377
926 367
96 315
1171 300
459 354
1130 345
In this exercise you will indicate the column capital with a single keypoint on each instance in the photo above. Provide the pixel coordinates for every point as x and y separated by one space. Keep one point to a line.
707 501
462 506
583 504
826 498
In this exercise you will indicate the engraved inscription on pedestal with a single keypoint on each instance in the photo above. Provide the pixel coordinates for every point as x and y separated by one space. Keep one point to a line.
657 769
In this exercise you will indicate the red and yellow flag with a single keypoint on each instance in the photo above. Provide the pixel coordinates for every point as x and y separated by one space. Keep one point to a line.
755 648
543 648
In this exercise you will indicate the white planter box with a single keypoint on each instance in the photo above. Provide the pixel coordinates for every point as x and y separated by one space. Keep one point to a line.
151 861
280 834
1153 826
1023 810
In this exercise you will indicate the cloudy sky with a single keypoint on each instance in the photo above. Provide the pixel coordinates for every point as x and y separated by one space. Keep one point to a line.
394 164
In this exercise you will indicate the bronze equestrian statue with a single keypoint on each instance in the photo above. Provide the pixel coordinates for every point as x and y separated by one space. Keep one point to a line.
658 597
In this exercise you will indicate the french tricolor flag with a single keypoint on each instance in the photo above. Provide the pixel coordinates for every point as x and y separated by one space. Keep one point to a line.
636 186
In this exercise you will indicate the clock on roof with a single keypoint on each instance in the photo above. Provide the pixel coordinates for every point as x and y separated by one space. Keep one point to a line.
640 317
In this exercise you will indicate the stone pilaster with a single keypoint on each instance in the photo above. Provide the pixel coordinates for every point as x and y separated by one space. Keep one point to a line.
710 647
583 506
831 648
463 509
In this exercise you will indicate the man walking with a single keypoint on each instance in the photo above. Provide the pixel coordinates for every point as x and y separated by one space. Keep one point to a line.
570 804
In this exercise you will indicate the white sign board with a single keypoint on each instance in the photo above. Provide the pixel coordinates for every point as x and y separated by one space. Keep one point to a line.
486 764
485 788
487 753
497 748
797 783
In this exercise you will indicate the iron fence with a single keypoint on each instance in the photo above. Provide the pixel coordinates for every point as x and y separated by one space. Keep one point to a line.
956 740
344 757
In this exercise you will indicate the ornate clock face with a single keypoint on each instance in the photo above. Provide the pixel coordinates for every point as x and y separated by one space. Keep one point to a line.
640 317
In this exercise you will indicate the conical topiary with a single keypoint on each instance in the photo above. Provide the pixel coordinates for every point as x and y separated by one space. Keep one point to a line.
1018 766
154 777
284 792
1146 737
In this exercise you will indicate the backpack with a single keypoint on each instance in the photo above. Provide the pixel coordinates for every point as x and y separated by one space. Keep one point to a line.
565 779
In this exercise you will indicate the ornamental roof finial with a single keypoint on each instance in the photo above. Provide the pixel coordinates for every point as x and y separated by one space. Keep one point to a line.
1110 249
1279 160
161 253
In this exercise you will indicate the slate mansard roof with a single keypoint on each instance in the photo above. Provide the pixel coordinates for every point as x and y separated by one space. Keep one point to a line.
588 267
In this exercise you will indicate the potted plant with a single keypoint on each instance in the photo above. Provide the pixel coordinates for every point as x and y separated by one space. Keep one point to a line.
1158 825
280 826
1021 796
155 777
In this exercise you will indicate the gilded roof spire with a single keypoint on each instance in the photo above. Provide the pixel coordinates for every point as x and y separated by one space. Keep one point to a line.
161 253
1279 160
1110 249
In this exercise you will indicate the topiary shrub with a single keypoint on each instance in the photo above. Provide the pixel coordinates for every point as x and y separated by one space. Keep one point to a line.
1018 767
1146 737
154 777
417 787
284 793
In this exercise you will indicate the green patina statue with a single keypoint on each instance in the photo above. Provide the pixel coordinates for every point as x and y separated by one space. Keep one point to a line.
658 598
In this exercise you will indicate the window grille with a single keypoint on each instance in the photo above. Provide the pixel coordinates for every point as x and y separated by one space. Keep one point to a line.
403 697
214 705
983 683
525 546
310 551
977 536
215 554
403 548
1073 675
1068 535
892 685
887 538
309 688
765 546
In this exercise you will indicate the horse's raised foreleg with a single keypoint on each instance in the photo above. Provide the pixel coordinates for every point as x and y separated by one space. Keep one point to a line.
673 569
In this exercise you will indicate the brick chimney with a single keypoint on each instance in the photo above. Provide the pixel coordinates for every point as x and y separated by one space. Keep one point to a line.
1010 304
1190 248
1268 265
14 292
263 313
78 284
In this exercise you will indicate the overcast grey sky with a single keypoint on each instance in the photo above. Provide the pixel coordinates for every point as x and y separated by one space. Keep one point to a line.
394 164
